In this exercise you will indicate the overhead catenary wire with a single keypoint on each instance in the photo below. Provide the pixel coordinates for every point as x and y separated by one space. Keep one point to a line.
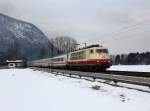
124 29
138 16
128 29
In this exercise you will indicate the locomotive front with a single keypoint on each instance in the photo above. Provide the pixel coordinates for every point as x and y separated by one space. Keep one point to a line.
99 58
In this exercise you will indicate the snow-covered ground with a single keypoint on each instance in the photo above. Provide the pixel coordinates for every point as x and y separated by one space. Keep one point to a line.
29 90
139 68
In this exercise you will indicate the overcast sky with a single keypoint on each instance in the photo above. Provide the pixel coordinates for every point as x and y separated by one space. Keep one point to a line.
121 25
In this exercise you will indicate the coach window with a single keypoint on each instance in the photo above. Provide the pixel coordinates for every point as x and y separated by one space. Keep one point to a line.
91 51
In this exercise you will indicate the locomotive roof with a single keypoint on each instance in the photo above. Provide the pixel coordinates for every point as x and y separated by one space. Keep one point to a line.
89 47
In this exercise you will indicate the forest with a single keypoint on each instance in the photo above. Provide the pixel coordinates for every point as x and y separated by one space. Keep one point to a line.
131 59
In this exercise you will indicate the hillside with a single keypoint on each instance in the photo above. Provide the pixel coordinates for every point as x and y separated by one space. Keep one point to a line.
19 39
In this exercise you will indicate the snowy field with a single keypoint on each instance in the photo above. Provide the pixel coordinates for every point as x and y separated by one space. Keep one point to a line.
29 90
139 68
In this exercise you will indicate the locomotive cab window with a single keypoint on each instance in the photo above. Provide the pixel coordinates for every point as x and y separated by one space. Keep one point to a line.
101 51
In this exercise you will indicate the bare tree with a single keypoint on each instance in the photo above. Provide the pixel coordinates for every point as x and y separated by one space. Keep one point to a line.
64 44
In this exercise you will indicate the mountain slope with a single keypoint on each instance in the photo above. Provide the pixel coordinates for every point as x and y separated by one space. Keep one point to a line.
19 39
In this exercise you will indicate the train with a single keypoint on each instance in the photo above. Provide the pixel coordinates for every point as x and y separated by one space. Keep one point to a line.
94 57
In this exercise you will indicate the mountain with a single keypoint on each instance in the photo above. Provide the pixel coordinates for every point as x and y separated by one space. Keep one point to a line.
19 39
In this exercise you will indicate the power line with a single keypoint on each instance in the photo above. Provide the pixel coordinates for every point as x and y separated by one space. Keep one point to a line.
126 29
141 15
117 35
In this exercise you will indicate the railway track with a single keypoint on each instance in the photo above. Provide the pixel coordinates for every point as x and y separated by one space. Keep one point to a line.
124 77
129 73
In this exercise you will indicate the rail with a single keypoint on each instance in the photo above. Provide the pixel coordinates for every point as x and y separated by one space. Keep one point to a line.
129 73
143 81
